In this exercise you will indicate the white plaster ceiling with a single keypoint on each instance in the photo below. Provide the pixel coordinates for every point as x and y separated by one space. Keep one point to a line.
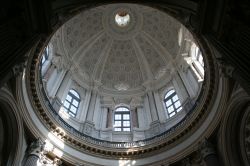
118 59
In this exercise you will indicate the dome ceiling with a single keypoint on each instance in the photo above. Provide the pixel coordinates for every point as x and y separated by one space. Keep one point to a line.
118 58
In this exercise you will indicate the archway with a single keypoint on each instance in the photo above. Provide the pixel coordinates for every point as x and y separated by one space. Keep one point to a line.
10 131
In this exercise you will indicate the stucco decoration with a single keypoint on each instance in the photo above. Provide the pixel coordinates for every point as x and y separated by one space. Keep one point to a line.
121 58
162 28
154 60
122 70
80 28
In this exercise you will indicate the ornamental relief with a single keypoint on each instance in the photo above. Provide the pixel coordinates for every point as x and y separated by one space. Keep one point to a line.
87 61
93 37
154 60
79 29
122 70
164 30
116 65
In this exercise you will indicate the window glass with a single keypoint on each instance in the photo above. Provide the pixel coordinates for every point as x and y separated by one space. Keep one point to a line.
126 116
75 103
126 129
126 123
170 109
172 103
118 117
71 103
177 104
45 56
175 98
73 109
122 119
66 104
169 93
69 98
168 103
118 129
198 63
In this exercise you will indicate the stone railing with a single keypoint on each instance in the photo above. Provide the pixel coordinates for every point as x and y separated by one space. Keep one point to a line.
112 144
69 135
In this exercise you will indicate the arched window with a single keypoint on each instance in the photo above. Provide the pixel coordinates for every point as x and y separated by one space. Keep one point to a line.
172 103
198 63
71 103
45 55
122 119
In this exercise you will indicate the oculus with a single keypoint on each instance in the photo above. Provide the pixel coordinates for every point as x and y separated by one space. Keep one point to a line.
122 18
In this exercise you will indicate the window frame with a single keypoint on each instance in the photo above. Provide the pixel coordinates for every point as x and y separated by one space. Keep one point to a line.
71 104
122 120
198 61
45 56
170 97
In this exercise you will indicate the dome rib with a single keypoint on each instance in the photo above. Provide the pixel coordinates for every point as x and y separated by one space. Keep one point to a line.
85 46
99 67
148 75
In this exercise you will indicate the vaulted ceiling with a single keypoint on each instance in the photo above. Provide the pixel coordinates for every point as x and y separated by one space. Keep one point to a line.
99 52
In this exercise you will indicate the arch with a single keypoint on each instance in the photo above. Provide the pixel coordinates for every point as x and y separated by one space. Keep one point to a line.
208 100
231 134
72 102
122 120
11 130
172 103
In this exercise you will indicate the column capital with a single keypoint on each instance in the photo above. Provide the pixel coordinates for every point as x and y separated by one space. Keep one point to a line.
149 85
225 68
18 68
206 148
57 161
36 147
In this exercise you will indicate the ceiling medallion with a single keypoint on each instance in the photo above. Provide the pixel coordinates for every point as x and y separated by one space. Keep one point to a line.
122 18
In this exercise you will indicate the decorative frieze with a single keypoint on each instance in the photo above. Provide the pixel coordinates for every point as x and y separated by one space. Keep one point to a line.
94 146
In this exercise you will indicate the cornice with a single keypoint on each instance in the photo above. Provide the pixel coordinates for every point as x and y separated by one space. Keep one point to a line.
107 149
86 144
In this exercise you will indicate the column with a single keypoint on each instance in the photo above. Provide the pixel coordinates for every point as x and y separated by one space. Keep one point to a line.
159 106
141 118
84 107
104 117
152 106
91 108
48 73
45 67
88 126
51 80
55 84
110 119
97 113
147 110
134 118
208 154
182 87
64 88
195 84
34 153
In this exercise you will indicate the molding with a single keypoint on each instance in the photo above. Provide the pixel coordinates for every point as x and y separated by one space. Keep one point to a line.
184 129
8 102
229 133
159 146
